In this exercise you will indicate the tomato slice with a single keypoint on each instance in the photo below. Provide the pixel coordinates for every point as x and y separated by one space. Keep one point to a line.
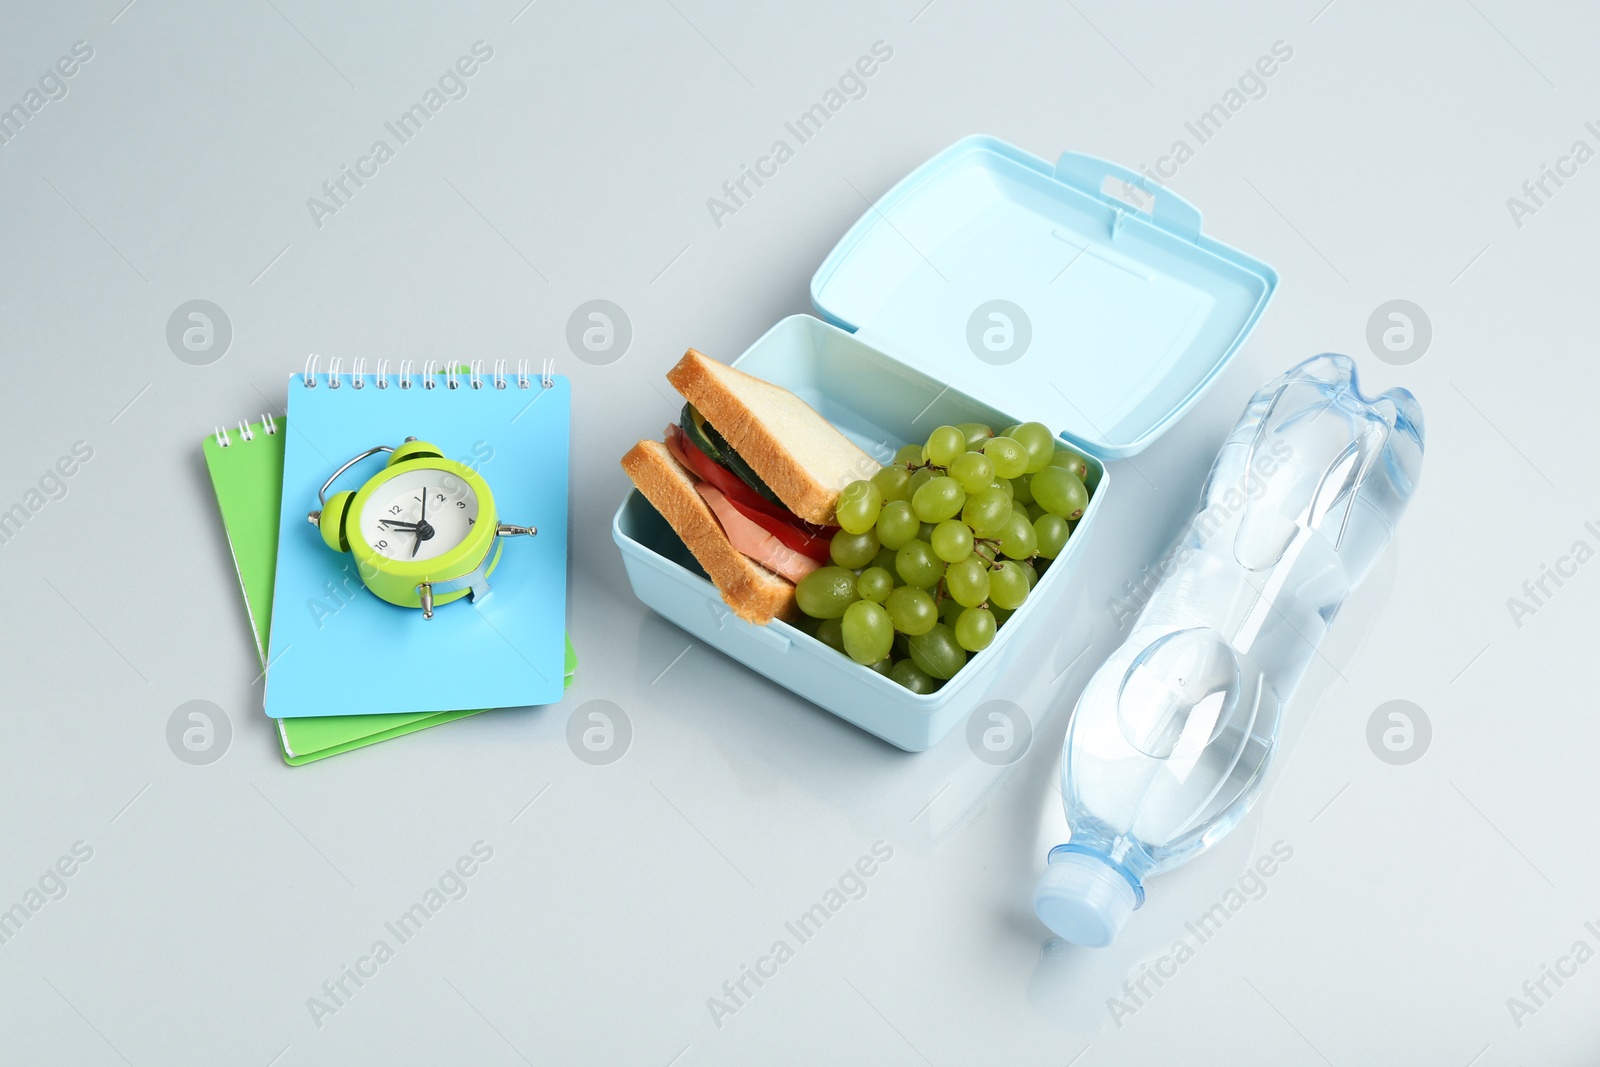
709 470
791 535
803 537
732 486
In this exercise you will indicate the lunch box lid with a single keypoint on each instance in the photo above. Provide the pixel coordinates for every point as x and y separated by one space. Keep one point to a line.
1080 294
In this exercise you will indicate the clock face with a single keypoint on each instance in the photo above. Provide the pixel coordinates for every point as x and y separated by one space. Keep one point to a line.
419 514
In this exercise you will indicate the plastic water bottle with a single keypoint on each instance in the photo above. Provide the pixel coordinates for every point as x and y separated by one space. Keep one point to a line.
1171 739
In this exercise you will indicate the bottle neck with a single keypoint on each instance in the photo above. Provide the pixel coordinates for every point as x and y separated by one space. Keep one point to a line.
1085 849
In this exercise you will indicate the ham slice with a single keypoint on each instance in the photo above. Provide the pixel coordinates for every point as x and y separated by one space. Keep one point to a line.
754 542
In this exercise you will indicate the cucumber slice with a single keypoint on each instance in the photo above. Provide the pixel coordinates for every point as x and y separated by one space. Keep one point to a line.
692 423
704 436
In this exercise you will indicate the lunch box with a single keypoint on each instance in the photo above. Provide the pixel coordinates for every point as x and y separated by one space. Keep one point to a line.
990 286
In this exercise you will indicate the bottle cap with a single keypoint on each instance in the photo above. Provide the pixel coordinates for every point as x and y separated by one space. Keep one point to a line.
1084 899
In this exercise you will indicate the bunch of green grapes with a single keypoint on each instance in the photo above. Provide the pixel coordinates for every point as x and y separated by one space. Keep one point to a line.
937 550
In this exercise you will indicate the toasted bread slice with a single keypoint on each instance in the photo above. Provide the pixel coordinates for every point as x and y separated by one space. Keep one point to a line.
797 452
752 591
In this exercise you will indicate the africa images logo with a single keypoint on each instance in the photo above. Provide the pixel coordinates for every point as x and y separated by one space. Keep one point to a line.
452 85
851 85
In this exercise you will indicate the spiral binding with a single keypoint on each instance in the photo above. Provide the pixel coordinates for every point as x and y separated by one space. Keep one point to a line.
432 369
246 433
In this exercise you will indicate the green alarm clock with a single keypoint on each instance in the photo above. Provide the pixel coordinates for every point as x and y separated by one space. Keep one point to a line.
423 530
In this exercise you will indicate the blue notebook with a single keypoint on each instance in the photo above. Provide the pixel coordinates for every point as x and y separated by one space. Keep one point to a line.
337 649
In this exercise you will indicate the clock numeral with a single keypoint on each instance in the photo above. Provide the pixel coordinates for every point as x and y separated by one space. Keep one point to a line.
471 521
439 497
395 510
459 503
383 544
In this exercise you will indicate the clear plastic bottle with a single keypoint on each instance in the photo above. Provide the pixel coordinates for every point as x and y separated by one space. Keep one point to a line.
1171 739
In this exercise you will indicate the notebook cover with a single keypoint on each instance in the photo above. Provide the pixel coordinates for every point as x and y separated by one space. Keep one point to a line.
342 655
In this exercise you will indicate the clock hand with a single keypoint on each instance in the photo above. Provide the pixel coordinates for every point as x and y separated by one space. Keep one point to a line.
395 524
417 529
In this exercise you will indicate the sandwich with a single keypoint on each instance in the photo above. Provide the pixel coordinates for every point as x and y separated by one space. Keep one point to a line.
748 478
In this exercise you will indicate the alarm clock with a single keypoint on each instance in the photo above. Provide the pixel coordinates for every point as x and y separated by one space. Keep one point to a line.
423 531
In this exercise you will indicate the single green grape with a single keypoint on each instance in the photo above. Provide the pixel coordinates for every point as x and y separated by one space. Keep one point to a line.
883 666
831 633
1006 486
1010 458
919 478
1008 585
949 611
1052 532
937 652
916 564
973 471
943 446
875 584
826 592
1029 573
1021 490
858 507
939 499
893 482
1060 492
974 629
1070 460
909 456
911 610
913 677
853 550
987 512
1000 615
926 531
884 560
951 540
1039 442
1035 511
976 434
967 582
1018 539
897 524
867 632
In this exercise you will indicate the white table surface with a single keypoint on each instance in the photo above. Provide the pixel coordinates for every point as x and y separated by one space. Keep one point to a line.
1375 165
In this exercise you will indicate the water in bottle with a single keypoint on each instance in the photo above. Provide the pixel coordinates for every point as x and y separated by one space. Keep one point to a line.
1172 737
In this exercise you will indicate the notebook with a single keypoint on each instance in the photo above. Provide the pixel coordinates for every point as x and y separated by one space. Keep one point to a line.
246 468
334 651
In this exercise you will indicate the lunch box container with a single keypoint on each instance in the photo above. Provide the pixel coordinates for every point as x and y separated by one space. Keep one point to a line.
990 286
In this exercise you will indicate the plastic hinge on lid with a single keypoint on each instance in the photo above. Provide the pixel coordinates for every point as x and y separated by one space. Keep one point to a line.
1103 312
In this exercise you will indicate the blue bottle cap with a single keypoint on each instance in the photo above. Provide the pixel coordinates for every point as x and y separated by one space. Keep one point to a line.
1084 899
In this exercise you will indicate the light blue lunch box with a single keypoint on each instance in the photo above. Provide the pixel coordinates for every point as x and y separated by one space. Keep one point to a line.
987 286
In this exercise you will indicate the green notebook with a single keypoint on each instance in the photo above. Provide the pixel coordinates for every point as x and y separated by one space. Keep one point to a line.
246 467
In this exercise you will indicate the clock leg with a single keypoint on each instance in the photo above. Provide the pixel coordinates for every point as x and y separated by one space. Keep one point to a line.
426 589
